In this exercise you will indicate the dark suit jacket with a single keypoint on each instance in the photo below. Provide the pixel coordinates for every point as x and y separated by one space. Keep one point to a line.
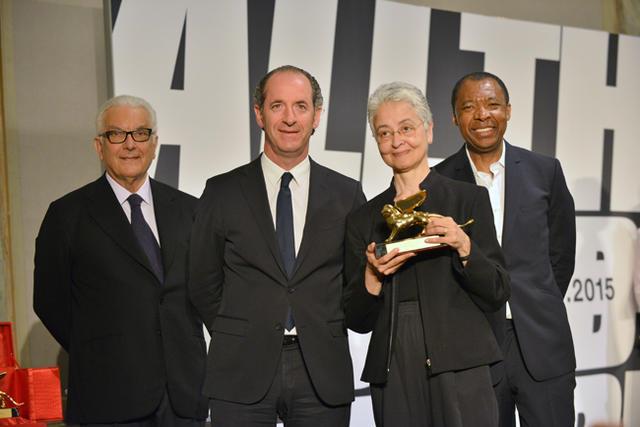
128 336
239 285
452 297
538 241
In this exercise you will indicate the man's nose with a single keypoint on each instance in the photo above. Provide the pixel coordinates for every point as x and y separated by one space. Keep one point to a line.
481 112
289 116
129 143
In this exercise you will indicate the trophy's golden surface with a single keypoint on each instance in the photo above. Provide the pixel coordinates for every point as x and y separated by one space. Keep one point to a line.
7 402
402 216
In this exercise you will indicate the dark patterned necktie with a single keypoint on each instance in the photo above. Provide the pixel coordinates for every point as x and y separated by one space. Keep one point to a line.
284 231
145 236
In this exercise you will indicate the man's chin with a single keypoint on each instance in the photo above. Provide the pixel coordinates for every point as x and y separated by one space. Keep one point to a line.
485 146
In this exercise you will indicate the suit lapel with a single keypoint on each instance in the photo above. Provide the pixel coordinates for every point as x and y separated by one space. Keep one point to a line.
462 167
318 199
255 191
168 220
108 214
512 185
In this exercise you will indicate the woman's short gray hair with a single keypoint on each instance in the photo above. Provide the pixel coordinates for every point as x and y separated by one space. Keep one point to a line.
130 101
399 92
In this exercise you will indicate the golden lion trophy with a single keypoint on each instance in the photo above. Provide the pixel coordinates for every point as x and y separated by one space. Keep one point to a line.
402 216
8 406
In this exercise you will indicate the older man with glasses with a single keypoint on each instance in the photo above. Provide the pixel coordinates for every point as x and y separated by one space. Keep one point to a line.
110 285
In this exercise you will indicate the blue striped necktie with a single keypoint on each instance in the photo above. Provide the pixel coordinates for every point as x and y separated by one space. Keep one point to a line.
145 236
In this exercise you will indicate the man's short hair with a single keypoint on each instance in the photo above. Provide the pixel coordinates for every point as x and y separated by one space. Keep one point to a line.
477 75
316 93
125 100
399 92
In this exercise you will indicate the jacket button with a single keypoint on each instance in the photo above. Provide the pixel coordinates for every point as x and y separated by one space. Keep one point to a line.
292 290
428 363
278 327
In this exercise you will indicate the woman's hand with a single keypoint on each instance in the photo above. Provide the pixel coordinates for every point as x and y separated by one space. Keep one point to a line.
386 265
449 233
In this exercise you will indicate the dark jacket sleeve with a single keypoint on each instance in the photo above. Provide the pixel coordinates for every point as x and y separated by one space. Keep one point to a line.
484 277
52 276
361 308
206 257
562 230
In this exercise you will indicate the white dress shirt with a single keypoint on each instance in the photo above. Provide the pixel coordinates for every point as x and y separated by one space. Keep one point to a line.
146 206
494 183
299 187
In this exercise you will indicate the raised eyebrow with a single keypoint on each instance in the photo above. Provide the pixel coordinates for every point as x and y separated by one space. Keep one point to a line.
383 127
117 129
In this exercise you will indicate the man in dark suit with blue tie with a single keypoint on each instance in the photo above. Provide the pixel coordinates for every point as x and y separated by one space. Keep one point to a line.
110 285
534 218
266 272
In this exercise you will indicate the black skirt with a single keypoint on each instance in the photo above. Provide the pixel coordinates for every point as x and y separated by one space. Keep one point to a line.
413 398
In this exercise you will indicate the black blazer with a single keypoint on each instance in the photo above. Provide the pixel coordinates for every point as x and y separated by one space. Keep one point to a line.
128 336
452 298
239 285
539 244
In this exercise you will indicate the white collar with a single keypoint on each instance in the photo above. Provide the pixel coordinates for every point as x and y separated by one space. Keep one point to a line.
500 162
122 194
273 173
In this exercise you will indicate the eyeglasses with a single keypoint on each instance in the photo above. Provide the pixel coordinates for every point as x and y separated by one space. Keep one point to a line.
406 130
120 136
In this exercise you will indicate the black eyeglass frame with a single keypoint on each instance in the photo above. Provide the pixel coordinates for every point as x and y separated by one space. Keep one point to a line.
109 133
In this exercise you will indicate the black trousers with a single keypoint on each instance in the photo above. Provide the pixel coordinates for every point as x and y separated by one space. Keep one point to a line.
164 416
291 397
411 398
546 403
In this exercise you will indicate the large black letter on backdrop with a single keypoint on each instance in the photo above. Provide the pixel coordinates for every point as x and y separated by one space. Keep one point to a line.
447 63
545 107
177 82
347 119
259 27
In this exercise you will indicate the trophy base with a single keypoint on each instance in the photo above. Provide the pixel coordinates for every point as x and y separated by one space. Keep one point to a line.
414 244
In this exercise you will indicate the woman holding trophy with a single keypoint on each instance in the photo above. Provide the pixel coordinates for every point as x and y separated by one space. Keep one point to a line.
432 345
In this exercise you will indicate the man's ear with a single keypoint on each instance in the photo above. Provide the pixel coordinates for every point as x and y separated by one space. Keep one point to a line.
258 113
454 119
316 117
97 144
155 142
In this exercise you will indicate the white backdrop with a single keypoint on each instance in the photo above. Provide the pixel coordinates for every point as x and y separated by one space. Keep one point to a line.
593 87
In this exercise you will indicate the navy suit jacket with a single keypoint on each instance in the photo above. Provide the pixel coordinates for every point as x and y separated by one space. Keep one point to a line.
539 242
129 337
240 287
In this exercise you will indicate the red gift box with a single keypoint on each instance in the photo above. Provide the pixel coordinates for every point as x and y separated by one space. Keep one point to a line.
37 388
19 421
7 357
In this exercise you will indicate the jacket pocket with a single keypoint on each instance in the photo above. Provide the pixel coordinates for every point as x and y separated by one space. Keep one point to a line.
231 326
337 328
